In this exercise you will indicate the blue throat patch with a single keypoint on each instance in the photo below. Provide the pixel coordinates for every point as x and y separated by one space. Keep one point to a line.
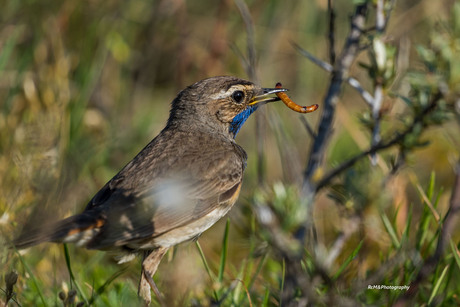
239 119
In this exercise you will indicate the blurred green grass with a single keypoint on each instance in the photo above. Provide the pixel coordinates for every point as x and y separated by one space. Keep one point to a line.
85 85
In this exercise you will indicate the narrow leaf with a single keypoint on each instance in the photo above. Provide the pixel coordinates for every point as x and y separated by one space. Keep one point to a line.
72 277
391 231
32 276
455 252
348 260
437 285
223 256
208 270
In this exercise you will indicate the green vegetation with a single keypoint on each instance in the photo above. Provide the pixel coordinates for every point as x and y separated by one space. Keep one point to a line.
85 85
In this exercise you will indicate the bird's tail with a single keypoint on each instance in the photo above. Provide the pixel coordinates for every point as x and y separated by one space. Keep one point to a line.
78 229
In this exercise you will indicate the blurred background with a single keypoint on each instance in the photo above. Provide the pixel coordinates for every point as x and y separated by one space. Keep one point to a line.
85 85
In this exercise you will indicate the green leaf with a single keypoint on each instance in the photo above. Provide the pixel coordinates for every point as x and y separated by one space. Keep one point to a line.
391 231
455 252
283 276
256 273
73 281
430 189
7 48
348 260
104 286
223 256
237 291
405 235
32 276
437 285
266 298
206 266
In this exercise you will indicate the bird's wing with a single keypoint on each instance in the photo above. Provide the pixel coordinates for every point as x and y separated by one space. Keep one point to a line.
161 189
212 179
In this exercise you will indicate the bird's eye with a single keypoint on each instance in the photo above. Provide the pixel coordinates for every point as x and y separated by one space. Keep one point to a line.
238 96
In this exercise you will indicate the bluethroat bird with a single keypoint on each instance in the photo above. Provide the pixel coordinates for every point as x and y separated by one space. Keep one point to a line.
179 185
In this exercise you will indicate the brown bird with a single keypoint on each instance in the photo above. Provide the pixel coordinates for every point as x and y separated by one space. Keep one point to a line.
179 185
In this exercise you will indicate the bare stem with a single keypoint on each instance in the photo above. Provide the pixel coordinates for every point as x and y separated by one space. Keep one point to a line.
331 35
378 88
376 106
339 75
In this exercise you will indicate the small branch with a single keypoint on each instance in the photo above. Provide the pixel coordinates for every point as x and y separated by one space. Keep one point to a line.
454 208
364 94
380 53
381 145
380 21
340 74
308 127
331 35
328 67
376 106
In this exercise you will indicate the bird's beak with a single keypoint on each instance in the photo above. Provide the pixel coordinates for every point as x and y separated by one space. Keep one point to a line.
264 96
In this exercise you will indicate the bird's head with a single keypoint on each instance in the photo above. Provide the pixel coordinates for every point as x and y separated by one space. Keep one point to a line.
222 104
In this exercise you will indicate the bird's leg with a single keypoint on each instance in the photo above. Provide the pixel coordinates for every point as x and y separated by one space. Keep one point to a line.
150 263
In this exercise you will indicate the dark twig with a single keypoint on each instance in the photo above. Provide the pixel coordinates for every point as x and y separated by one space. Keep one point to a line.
339 75
331 35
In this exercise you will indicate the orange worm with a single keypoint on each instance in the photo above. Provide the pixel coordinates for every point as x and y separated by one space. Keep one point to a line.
291 104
